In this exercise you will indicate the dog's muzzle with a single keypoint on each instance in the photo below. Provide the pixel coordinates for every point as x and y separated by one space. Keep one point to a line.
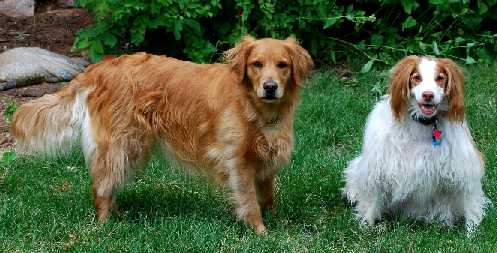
427 106
270 88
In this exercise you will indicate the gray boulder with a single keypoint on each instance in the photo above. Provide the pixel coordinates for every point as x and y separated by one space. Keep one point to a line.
30 65
17 7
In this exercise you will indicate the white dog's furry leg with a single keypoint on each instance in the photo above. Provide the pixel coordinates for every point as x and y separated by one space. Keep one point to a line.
369 210
473 206
368 204
350 189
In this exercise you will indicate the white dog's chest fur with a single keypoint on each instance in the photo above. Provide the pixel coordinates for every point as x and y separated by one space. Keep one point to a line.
421 167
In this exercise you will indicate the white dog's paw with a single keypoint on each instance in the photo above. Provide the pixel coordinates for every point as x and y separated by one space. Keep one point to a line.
471 228
364 222
470 232
349 194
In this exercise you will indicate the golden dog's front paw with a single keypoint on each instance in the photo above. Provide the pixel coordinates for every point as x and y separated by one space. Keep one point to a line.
261 229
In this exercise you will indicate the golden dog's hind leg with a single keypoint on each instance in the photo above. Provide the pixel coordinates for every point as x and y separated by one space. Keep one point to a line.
108 170
242 183
111 166
103 204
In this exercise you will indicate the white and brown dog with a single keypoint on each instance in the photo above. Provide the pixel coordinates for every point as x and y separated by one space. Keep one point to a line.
418 157
232 122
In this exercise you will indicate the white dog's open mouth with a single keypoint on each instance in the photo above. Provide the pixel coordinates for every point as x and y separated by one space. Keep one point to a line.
427 109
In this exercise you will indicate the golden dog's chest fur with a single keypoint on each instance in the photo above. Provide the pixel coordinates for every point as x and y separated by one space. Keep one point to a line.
218 118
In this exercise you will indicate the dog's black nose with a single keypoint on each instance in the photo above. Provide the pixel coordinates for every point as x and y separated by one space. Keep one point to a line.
270 86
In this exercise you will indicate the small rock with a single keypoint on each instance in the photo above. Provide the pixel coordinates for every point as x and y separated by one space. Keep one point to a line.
15 8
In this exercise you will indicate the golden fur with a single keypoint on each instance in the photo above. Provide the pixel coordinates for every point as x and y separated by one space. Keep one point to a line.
207 116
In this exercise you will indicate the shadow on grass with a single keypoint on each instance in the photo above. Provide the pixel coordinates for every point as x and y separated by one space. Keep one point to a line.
152 201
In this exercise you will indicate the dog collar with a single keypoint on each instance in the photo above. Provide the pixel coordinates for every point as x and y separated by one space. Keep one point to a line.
423 120
274 121
436 133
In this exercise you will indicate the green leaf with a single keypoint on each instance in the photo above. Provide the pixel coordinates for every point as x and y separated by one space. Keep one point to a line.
109 39
434 46
422 45
95 56
470 60
333 57
437 2
376 40
484 55
81 43
408 5
408 23
159 21
137 35
367 67
96 45
177 28
194 25
459 40
361 45
329 22
482 8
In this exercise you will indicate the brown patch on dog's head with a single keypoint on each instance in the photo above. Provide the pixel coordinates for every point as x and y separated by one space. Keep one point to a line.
454 88
270 66
400 85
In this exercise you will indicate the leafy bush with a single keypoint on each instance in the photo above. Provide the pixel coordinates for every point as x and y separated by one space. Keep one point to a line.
377 31
10 108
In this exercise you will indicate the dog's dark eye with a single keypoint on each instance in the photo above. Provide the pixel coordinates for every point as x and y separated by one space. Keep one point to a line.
417 78
439 78
282 65
257 64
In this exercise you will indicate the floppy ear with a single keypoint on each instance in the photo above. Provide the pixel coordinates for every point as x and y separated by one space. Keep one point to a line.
399 88
301 61
454 89
237 56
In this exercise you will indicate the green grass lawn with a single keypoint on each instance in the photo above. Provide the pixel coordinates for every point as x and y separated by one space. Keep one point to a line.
46 205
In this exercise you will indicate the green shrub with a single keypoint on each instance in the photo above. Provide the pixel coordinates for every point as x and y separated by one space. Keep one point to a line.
376 31
10 108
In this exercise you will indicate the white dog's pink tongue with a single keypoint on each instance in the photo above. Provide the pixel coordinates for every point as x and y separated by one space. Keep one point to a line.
427 110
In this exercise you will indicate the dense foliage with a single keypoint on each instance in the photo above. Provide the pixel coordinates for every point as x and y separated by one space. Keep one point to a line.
377 31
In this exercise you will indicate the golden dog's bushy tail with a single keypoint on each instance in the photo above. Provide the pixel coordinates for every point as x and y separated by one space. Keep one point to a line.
50 124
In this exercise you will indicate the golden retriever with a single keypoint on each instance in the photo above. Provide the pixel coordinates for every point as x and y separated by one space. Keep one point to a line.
233 121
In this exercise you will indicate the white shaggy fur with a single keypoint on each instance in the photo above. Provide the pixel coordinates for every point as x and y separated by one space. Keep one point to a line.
400 171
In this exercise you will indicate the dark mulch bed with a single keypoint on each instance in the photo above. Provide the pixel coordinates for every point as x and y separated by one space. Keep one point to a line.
53 30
